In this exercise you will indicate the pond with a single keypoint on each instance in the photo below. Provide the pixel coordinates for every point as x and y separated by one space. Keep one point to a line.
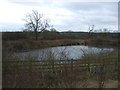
61 53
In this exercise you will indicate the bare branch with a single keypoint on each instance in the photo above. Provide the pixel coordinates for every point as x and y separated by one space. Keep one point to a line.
34 22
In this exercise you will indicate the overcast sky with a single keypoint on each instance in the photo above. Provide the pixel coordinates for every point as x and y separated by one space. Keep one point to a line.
63 15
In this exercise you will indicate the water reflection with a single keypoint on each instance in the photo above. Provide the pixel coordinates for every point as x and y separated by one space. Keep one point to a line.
61 53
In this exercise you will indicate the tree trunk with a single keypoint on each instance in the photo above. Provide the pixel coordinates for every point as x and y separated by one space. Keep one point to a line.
36 35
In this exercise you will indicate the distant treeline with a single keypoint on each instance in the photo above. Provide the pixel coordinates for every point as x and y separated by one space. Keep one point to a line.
50 35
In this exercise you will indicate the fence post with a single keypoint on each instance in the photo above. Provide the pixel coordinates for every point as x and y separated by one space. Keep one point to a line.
71 64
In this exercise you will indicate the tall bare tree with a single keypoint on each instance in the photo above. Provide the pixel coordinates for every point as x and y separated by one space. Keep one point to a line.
91 28
35 22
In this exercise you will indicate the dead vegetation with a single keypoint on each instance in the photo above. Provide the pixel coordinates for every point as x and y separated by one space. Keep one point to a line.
66 76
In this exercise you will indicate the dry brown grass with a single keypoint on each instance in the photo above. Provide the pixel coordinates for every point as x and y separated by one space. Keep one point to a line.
21 45
46 79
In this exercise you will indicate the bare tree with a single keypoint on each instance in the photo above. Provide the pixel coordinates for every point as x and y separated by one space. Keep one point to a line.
91 28
34 22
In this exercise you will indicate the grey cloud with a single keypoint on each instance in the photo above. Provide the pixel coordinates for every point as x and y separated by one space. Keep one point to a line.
85 13
80 6
28 3
87 6
67 5
10 26
100 21
48 3
74 6
31 2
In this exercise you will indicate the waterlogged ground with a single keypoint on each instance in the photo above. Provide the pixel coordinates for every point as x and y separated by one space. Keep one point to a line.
61 53
30 75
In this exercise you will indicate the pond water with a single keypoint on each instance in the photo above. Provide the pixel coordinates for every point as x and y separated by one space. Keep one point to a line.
61 53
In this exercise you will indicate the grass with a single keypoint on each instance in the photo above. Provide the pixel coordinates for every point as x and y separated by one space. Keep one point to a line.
62 75
92 71
17 45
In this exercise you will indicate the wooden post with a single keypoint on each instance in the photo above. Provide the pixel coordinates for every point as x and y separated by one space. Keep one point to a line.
85 42
71 64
